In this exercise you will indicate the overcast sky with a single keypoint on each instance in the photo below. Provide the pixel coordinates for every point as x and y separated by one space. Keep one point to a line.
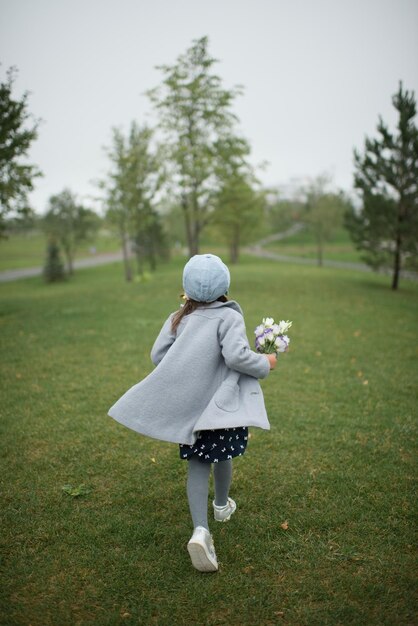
317 74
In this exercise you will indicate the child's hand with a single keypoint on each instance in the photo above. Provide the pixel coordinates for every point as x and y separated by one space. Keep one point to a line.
272 360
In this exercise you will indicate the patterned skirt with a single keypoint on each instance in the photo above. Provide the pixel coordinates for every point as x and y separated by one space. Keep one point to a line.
213 446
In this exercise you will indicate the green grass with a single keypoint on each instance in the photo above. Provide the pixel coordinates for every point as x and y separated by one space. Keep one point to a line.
339 248
29 249
338 464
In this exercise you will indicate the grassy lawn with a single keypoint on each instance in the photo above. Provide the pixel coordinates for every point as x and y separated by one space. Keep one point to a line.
29 249
340 248
323 534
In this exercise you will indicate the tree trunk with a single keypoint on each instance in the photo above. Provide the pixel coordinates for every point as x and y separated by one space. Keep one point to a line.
70 264
152 254
234 247
398 247
197 221
188 226
397 262
69 259
192 237
126 262
320 250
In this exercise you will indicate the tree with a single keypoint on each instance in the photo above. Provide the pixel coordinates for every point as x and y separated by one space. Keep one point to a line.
282 213
323 212
239 213
131 191
238 207
69 223
54 268
194 112
386 175
17 132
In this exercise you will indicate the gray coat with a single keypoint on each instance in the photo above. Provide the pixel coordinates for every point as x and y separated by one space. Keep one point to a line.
205 378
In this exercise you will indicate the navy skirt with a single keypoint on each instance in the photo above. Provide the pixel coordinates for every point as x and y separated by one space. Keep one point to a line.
213 446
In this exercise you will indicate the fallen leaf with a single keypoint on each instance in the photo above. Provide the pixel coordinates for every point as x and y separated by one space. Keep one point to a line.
74 492
153 460
365 382
284 525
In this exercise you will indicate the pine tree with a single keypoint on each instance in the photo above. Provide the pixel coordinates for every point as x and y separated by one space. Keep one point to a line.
54 268
386 174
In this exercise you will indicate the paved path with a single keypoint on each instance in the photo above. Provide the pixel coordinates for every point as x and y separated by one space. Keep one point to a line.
254 250
28 272
258 251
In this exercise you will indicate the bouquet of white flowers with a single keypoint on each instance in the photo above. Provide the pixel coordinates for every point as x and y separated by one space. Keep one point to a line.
270 337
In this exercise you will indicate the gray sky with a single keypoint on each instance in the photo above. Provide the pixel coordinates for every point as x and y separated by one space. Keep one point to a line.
317 74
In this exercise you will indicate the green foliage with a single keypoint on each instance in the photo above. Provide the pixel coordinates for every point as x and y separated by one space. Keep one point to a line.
338 465
17 132
282 213
54 268
196 118
69 223
369 229
238 210
386 174
238 215
131 190
323 212
173 221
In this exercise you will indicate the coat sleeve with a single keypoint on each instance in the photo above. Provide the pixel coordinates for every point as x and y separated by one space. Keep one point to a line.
163 342
236 350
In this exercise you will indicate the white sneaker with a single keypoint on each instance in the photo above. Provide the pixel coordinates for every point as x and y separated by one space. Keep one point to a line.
202 550
223 513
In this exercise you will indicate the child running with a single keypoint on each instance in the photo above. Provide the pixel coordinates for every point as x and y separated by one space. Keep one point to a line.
203 394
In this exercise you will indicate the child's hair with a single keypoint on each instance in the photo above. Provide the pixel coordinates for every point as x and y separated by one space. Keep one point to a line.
188 307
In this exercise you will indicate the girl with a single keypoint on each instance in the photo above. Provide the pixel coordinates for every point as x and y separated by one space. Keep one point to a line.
203 394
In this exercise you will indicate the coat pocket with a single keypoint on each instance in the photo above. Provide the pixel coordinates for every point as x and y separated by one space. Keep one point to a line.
227 397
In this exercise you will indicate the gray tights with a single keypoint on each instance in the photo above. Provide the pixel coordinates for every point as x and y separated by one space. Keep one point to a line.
198 487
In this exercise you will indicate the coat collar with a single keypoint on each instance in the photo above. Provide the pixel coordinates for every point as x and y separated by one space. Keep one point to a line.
230 304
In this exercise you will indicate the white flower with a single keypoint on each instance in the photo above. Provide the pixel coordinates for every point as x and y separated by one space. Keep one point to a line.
282 343
284 327
271 337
